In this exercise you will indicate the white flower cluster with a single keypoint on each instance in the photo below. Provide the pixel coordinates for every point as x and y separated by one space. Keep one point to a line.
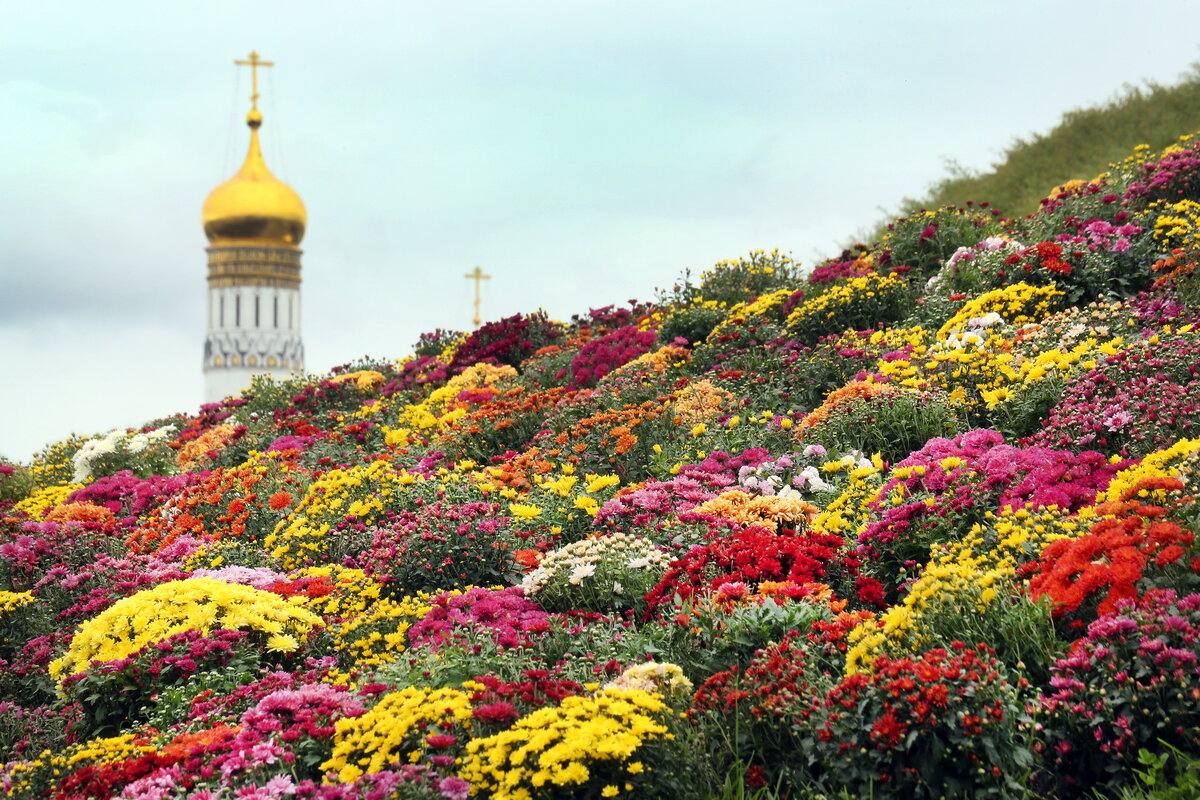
959 340
578 561
975 334
791 477
114 444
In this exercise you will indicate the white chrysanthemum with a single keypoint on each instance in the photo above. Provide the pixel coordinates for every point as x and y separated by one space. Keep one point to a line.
158 434
573 563
535 580
986 321
788 493
813 480
580 572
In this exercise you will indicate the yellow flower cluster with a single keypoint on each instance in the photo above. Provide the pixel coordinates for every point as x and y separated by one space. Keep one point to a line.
1177 224
365 380
898 630
760 306
1019 535
962 582
583 740
362 491
22 778
419 422
54 464
965 366
378 635
203 604
395 730
451 347
659 315
1017 305
10 601
759 263
353 592
975 364
830 303
214 555
1175 461
562 502
44 498
366 626
1066 364
847 514
888 338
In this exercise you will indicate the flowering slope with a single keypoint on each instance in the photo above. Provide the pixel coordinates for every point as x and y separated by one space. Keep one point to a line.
919 521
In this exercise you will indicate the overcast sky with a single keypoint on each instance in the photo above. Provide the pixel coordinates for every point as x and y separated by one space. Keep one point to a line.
582 153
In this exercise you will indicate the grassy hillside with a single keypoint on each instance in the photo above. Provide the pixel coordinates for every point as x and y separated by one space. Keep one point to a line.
1081 146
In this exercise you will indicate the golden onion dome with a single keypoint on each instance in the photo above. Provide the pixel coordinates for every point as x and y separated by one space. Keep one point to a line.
254 204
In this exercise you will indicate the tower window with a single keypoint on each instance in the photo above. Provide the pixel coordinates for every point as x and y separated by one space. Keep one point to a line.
237 310
256 311
222 305
275 312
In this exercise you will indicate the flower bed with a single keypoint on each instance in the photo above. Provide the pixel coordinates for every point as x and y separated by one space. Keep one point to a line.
918 522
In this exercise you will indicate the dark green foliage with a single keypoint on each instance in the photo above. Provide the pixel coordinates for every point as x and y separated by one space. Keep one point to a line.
694 324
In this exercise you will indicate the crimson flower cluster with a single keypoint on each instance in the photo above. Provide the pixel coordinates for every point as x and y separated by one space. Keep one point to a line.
506 341
1044 260
838 270
209 708
770 707
1175 176
601 356
500 703
441 546
1141 399
946 722
110 694
749 555
503 614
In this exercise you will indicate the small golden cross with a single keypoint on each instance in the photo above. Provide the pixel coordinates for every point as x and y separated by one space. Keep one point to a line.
254 63
477 275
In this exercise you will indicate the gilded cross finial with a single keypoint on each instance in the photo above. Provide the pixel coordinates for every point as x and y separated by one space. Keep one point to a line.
477 275
254 63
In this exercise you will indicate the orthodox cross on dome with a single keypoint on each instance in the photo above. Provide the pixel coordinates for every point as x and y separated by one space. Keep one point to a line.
254 63
477 275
